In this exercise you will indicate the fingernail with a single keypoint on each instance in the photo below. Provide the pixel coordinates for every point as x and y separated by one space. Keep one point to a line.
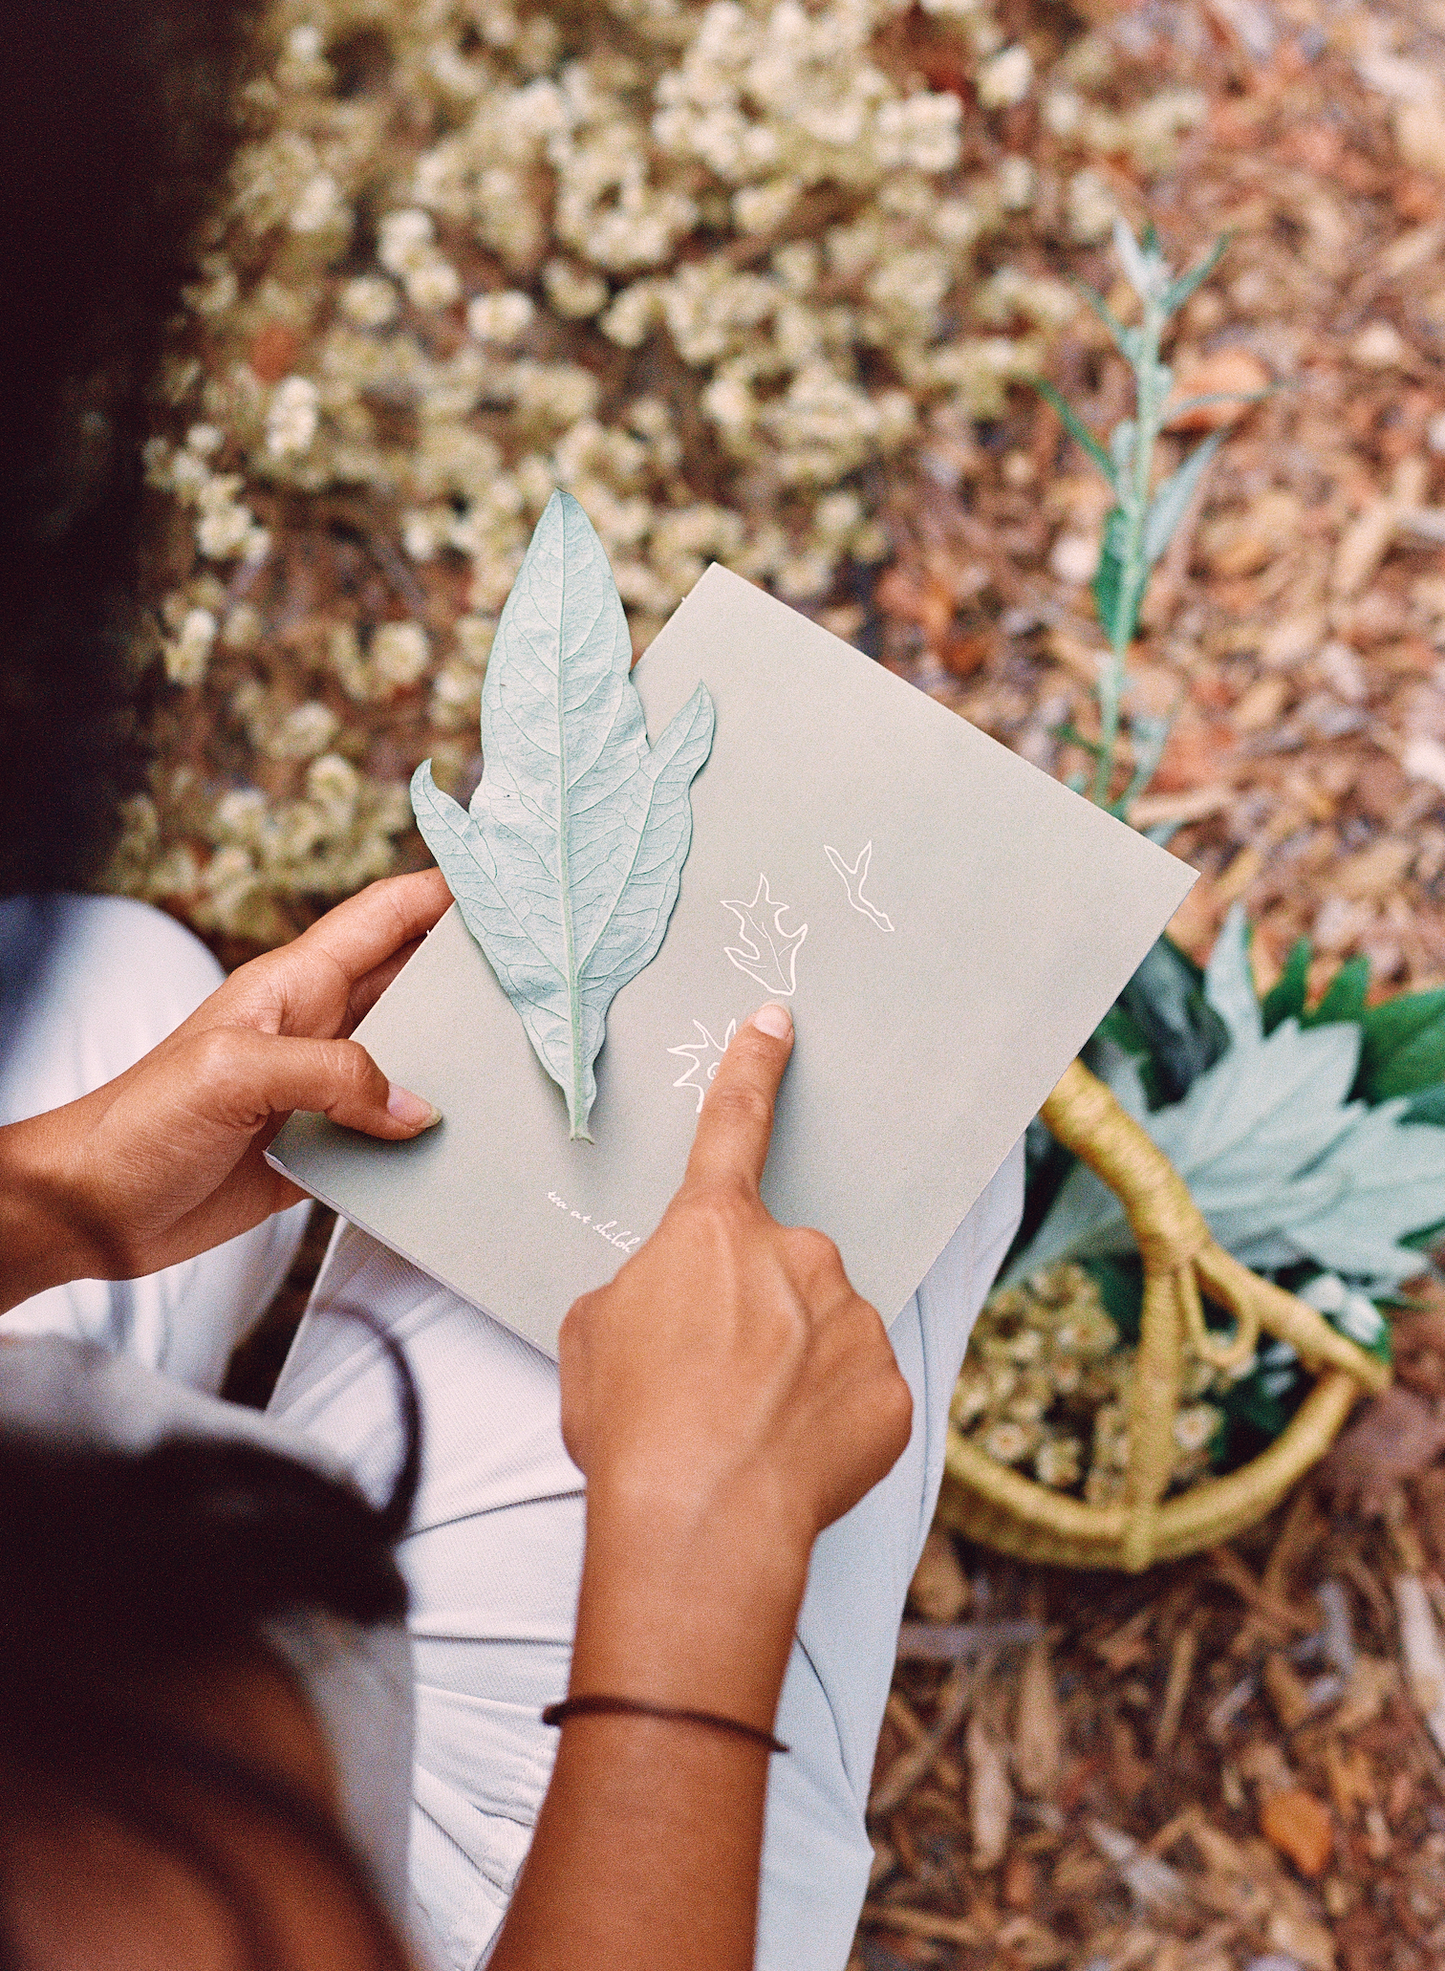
408 1109
774 1020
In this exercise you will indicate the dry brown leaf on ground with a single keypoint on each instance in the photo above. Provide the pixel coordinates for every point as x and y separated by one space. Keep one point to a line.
939 1591
990 1793
1394 1437
1038 1726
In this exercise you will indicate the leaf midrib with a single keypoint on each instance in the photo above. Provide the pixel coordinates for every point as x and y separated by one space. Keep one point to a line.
564 856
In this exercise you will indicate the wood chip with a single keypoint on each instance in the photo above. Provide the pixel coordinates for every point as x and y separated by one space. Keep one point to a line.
1286 1690
1231 1570
910 1766
939 1589
1038 1726
990 1794
926 1923
1299 1825
1182 1654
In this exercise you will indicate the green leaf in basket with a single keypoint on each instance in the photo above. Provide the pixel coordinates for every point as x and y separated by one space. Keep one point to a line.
1428 1106
1283 1164
1164 1004
1344 997
1285 999
1404 1045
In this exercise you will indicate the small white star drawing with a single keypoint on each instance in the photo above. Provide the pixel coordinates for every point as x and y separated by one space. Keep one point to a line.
704 1055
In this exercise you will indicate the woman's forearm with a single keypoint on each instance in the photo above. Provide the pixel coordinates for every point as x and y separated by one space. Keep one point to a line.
39 1240
647 1847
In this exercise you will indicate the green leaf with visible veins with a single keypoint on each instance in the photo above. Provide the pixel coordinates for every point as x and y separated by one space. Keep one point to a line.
566 866
1283 1165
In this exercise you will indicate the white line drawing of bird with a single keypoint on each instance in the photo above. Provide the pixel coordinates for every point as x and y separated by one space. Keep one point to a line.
704 1055
854 876
765 951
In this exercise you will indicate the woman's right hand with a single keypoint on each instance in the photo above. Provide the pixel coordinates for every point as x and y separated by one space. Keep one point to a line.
727 1396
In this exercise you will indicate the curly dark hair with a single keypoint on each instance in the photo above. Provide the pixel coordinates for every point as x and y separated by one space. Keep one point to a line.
118 129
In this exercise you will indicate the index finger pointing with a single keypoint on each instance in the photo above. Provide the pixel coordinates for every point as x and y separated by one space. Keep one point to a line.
736 1124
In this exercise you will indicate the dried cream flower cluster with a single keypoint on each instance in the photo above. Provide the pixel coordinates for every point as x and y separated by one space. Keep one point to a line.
1046 1384
713 267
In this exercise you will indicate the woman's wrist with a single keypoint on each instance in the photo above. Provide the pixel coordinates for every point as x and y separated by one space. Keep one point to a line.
38 1230
687 1610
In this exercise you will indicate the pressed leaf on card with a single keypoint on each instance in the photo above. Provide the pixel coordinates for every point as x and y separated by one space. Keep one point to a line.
567 863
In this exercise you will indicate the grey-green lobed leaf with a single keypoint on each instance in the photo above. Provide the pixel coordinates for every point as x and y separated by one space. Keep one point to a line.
1282 1164
566 865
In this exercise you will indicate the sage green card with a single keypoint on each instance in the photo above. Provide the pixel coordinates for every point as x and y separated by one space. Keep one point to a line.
947 922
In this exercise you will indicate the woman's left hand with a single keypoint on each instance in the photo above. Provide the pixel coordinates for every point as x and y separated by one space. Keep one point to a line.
169 1159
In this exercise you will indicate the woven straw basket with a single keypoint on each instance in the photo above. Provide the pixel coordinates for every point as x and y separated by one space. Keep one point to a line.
992 1503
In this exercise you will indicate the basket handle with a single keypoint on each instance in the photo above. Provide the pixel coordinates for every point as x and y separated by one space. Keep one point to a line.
1180 1257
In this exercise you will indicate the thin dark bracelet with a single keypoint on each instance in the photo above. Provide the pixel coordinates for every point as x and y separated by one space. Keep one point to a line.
631 1707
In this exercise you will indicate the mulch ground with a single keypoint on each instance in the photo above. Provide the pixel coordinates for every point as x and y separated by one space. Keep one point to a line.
1223 1760
1234 1764
1299 617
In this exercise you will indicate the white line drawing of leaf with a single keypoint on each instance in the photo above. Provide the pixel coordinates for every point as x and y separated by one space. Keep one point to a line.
567 863
698 1053
767 952
854 875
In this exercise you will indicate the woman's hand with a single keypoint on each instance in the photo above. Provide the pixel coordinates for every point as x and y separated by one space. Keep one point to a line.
727 1396
168 1159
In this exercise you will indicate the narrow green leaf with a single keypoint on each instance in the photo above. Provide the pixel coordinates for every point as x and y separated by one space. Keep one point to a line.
1285 999
1344 997
1149 736
1121 449
1076 428
1212 397
1178 292
1068 734
1128 341
566 866
1144 266
1166 509
1117 608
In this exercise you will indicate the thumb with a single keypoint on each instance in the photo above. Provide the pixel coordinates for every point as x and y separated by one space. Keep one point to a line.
240 1078
736 1124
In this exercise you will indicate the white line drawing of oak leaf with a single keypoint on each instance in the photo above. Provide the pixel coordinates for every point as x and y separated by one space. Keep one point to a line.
854 875
765 951
704 1055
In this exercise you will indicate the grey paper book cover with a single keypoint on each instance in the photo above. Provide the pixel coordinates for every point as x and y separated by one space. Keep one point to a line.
947 923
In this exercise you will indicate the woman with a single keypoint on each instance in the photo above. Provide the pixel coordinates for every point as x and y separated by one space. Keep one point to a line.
726 1397
206 1744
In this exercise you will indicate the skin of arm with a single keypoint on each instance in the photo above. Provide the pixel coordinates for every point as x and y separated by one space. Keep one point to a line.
168 1159
727 1396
